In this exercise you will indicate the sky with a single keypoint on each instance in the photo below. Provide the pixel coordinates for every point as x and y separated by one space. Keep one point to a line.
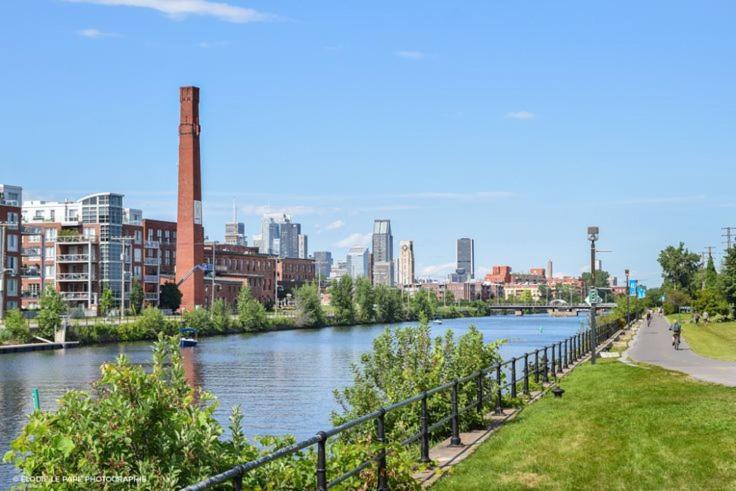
515 123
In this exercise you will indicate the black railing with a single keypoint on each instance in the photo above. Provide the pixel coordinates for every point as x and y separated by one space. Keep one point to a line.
547 363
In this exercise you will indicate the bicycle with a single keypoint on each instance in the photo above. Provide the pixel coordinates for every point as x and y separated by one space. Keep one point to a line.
676 340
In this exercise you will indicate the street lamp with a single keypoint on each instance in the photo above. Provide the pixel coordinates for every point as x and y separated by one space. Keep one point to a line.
592 237
626 272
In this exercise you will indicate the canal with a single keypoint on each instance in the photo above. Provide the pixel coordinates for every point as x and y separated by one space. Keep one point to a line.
283 380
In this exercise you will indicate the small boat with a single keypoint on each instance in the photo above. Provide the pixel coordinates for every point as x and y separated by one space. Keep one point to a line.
188 337
437 321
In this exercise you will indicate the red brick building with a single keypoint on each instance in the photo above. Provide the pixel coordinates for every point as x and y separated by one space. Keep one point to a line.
236 266
10 251
499 274
292 273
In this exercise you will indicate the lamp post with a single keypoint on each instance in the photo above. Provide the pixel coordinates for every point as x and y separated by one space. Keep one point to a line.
592 237
626 272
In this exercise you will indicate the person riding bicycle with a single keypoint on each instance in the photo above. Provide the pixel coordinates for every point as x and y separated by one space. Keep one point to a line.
676 331
649 317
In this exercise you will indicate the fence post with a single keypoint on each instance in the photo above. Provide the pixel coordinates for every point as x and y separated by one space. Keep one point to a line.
559 357
513 378
499 395
536 366
479 406
526 373
455 440
322 461
545 371
424 457
578 344
553 364
238 483
565 354
381 437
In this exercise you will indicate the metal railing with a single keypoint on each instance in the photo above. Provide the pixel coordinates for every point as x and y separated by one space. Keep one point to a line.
70 258
65 239
72 276
541 365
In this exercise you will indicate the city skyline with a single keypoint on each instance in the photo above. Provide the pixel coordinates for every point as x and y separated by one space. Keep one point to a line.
525 145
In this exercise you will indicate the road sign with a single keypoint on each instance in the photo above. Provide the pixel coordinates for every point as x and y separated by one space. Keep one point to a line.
593 298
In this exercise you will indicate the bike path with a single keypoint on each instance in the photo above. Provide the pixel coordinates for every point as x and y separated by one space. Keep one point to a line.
653 344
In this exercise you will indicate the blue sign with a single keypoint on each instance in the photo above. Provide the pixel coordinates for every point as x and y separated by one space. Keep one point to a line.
633 287
641 291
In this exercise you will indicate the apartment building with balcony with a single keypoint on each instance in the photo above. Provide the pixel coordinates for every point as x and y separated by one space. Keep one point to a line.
10 247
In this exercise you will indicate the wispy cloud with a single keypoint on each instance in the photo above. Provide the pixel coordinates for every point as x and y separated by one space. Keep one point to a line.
454 196
337 224
213 44
521 115
354 240
178 9
411 54
437 269
665 200
95 33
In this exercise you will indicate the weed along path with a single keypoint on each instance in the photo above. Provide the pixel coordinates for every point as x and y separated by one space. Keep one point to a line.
653 345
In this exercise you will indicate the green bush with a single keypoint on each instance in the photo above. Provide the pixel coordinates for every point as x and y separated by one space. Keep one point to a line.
17 327
251 312
220 316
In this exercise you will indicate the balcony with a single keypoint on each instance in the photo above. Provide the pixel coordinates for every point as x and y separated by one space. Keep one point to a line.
151 261
72 277
31 252
150 278
151 244
72 258
30 272
75 239
151 297
75 295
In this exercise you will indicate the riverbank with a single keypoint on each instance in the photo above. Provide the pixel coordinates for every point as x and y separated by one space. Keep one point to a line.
618 426
716 340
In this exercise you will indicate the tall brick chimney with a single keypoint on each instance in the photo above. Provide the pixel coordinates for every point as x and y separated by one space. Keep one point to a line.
189 230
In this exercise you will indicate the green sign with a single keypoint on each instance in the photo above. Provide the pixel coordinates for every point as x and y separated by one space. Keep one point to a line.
593 298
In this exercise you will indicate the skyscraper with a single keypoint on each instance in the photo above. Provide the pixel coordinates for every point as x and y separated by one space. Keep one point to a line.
549 269
357 262
303 246
406 262
289 237
190 233
269 234
323 263
235 231
466 257
383 253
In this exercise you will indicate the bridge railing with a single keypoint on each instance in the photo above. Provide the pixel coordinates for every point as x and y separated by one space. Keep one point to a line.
507 380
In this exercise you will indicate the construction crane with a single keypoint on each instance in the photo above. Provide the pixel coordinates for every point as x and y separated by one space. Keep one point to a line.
199 267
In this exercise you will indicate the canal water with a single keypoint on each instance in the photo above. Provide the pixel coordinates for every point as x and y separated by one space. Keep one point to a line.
283 380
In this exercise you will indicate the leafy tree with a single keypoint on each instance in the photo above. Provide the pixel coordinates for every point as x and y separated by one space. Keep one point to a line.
51 308
170 297
710 276
365 298
711 300
136 296
728 277
220 315
106 301
423 302
198 318
389 306
341 299
17 326
679 267
601 279
309 311
674 299
251 312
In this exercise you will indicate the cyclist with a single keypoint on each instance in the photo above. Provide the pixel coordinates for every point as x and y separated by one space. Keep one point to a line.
676 331
649 317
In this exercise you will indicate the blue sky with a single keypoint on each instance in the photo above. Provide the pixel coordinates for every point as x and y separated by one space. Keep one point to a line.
515 123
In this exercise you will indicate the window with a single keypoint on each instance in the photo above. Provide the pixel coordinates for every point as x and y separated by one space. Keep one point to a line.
50 252
12 217
11 286
12 243
149 234
166 235
11 262
137 272
167 257
50 234
138 236
137 255
11 305
49 271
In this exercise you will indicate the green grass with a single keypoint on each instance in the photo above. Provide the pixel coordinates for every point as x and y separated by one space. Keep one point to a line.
617 427
715 340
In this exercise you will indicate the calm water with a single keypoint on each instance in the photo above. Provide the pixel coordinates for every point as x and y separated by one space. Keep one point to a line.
283 380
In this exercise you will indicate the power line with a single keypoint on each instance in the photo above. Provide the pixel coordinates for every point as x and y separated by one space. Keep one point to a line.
729 233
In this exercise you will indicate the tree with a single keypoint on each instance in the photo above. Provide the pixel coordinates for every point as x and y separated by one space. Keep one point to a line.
220 315
711 300
341 299
251 312
679 267
170 297
106 301
389 306
17 326
309 311
728 277
52 307
365 298
136 297
710 276
601 279
423 302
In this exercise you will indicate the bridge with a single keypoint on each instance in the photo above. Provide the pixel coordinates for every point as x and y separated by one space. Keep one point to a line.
553 305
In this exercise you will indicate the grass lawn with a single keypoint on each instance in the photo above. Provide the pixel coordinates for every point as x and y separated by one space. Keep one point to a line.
714 340
617 427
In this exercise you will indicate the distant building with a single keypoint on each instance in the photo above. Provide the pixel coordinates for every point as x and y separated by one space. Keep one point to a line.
292 272
406 262
269 234
303 247
466 257
357 264
289 237
550 271
499 274
383 253
280 237
339 269
323 263
541 272
235 234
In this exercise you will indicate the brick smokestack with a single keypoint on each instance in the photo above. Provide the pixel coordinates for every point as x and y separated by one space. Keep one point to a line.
189 230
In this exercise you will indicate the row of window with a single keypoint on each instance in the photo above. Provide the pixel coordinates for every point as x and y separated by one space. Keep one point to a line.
161 235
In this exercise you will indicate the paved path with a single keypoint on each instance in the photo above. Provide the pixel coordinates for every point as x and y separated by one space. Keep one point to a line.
653 345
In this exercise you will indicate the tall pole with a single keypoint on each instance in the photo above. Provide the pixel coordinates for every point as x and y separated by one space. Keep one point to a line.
627 297
2 271
592 236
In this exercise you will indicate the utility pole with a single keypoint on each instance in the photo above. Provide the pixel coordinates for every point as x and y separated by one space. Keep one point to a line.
592 237
728 233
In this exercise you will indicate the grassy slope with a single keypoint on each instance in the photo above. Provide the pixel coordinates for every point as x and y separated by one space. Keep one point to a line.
617 427
714 340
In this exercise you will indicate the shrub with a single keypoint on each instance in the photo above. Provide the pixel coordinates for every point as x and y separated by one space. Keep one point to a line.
251 313
17 326
309 311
